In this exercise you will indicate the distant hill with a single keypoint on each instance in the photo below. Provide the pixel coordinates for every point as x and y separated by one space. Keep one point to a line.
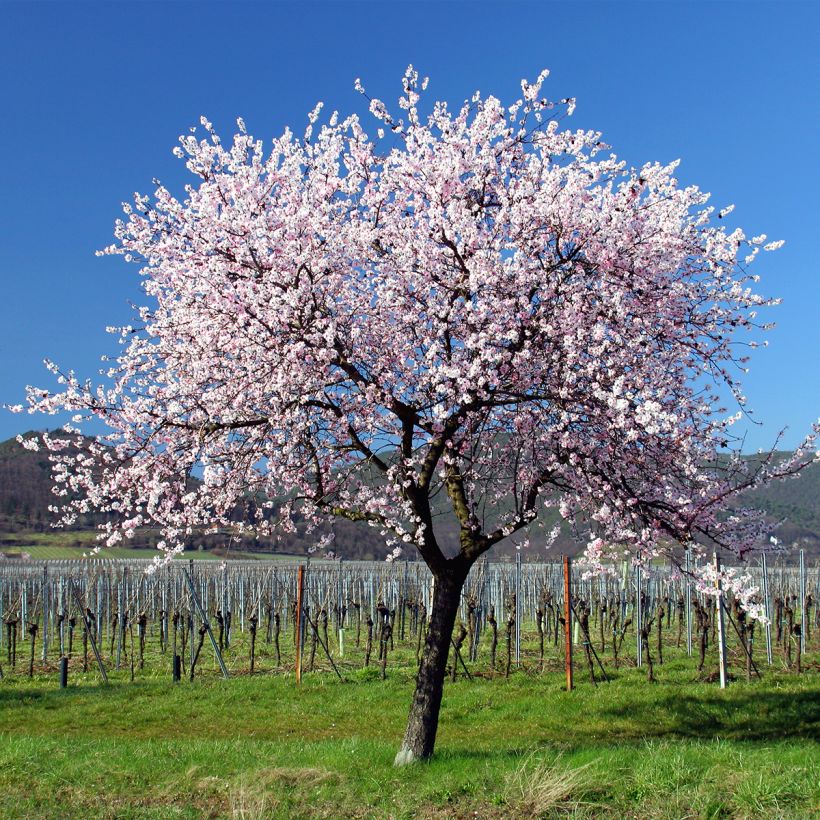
25 495
25 488
796 504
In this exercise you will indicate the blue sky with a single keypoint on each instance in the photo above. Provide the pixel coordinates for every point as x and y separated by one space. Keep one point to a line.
94 96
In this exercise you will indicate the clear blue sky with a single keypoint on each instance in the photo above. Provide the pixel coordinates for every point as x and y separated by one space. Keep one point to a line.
93 97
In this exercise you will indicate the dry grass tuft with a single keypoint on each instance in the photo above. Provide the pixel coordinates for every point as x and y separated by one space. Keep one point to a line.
544 788
259 795
287 776
245 803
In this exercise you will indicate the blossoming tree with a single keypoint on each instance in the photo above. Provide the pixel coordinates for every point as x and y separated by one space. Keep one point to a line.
478 306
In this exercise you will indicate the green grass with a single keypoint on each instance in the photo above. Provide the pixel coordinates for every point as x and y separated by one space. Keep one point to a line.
39 552
522 747
62 545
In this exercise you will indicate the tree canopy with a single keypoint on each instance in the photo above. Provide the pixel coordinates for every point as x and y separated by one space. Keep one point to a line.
481 308
478 304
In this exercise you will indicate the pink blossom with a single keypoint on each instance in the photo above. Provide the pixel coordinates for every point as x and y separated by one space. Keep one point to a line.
491 313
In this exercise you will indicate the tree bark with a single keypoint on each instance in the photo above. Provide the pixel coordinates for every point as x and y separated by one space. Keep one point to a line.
422 724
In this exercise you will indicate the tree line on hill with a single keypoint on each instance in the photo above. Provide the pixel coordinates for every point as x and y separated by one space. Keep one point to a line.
793 507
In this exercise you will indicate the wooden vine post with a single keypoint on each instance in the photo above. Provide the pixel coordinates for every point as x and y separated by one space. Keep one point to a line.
567 624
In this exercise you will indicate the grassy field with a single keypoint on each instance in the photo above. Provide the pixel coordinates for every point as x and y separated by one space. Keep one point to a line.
520 747
57 545
44 552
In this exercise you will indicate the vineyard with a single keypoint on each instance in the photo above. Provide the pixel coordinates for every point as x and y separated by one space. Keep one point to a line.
92 620
166 737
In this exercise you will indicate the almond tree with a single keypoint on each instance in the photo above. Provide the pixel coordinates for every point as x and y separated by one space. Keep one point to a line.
478 310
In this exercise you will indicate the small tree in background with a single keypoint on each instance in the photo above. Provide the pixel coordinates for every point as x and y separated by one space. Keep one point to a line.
478 307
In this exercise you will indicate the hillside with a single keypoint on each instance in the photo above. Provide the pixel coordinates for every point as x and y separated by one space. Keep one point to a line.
25 495
25 488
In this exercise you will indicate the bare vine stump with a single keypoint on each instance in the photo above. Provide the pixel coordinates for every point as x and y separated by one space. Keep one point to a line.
650 669
11 632
750 649
548 615
32 631
703 620
510 630
494 640
386 635
314 638
131 636
661 612
163 617
253 621
220 621
72 622
740 617
621 635
124 624
369 645
681 609
59 624
795 630
202 632
714 620
358 609
457 644
323 624
142 629
175 622
614 619
583 621
788 632
114 622
91 621
472 632
183 641
276 628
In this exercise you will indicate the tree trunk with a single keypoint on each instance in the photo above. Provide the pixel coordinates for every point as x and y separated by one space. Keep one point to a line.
420 737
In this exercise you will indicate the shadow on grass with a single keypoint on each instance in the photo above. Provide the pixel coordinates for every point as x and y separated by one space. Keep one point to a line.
752 716
37 690
738 714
